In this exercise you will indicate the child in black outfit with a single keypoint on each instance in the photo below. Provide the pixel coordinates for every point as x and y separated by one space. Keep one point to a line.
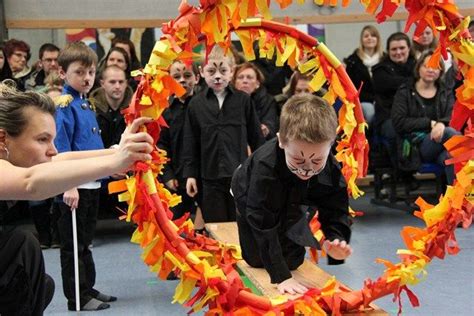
279 188
220 123
171 138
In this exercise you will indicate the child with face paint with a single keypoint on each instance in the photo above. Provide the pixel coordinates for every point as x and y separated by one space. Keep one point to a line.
220 123
171 140
279 188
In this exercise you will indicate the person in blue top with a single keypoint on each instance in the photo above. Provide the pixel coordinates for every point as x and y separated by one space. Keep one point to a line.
77 130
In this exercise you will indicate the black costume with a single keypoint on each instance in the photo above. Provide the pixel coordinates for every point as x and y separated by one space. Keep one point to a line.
215 142
359 74
274 207
266 108
171 140
387 78
25 288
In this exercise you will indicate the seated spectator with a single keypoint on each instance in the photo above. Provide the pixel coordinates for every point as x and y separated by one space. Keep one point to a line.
5 71
298 84
424 107
18 54
249 79
48 63
359 68
129 47
54 85
427 41
395 69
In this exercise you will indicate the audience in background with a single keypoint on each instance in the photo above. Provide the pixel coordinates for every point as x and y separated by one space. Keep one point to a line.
48 63
421 113
359 68
17 54
388 75
249 79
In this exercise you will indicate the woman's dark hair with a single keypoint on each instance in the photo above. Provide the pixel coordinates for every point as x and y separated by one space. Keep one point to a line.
16 45
399 36
13 104
294 81
125 56
134 61
421 61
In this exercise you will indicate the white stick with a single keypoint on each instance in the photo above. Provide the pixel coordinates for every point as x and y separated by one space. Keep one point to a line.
76 260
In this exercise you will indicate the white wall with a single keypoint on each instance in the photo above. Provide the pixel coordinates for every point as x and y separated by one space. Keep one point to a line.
343 39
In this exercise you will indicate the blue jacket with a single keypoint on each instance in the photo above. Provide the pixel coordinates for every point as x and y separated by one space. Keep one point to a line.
76 124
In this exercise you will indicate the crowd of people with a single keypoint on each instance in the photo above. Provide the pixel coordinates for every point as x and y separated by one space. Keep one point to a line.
229 112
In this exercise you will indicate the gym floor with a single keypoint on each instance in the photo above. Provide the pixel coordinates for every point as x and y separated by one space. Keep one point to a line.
447 290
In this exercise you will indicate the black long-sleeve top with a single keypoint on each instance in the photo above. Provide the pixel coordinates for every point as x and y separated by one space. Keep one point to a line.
359 74
266 108
387 78
268 196
171 138
215 140
409 113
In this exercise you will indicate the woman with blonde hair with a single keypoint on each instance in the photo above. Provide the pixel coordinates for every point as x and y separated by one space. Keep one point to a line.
359 67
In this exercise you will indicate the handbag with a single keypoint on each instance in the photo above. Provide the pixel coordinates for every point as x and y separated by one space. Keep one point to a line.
408 151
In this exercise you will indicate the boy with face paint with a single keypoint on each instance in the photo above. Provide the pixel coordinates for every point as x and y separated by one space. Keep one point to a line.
220 123
279 188
171 138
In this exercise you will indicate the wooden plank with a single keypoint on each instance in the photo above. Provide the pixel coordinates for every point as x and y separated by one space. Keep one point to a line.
308 273
16 23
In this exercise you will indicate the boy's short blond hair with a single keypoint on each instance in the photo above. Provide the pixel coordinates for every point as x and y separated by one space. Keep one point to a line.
218 53
308 118
77 51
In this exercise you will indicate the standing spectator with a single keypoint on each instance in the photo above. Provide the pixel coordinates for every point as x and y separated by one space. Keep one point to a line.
78 130
48 62
108 101
220 123
113 96
249 79
359 68
18 54
424 107
394 69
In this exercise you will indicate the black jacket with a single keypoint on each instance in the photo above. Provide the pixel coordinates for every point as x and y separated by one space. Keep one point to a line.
171 139
359 74
269 197
111 123
408 111
215 140
266 108
387 78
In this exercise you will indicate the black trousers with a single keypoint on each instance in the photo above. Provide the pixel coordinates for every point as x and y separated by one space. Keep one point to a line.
294 254
188 204
25 288
217 203
86 217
